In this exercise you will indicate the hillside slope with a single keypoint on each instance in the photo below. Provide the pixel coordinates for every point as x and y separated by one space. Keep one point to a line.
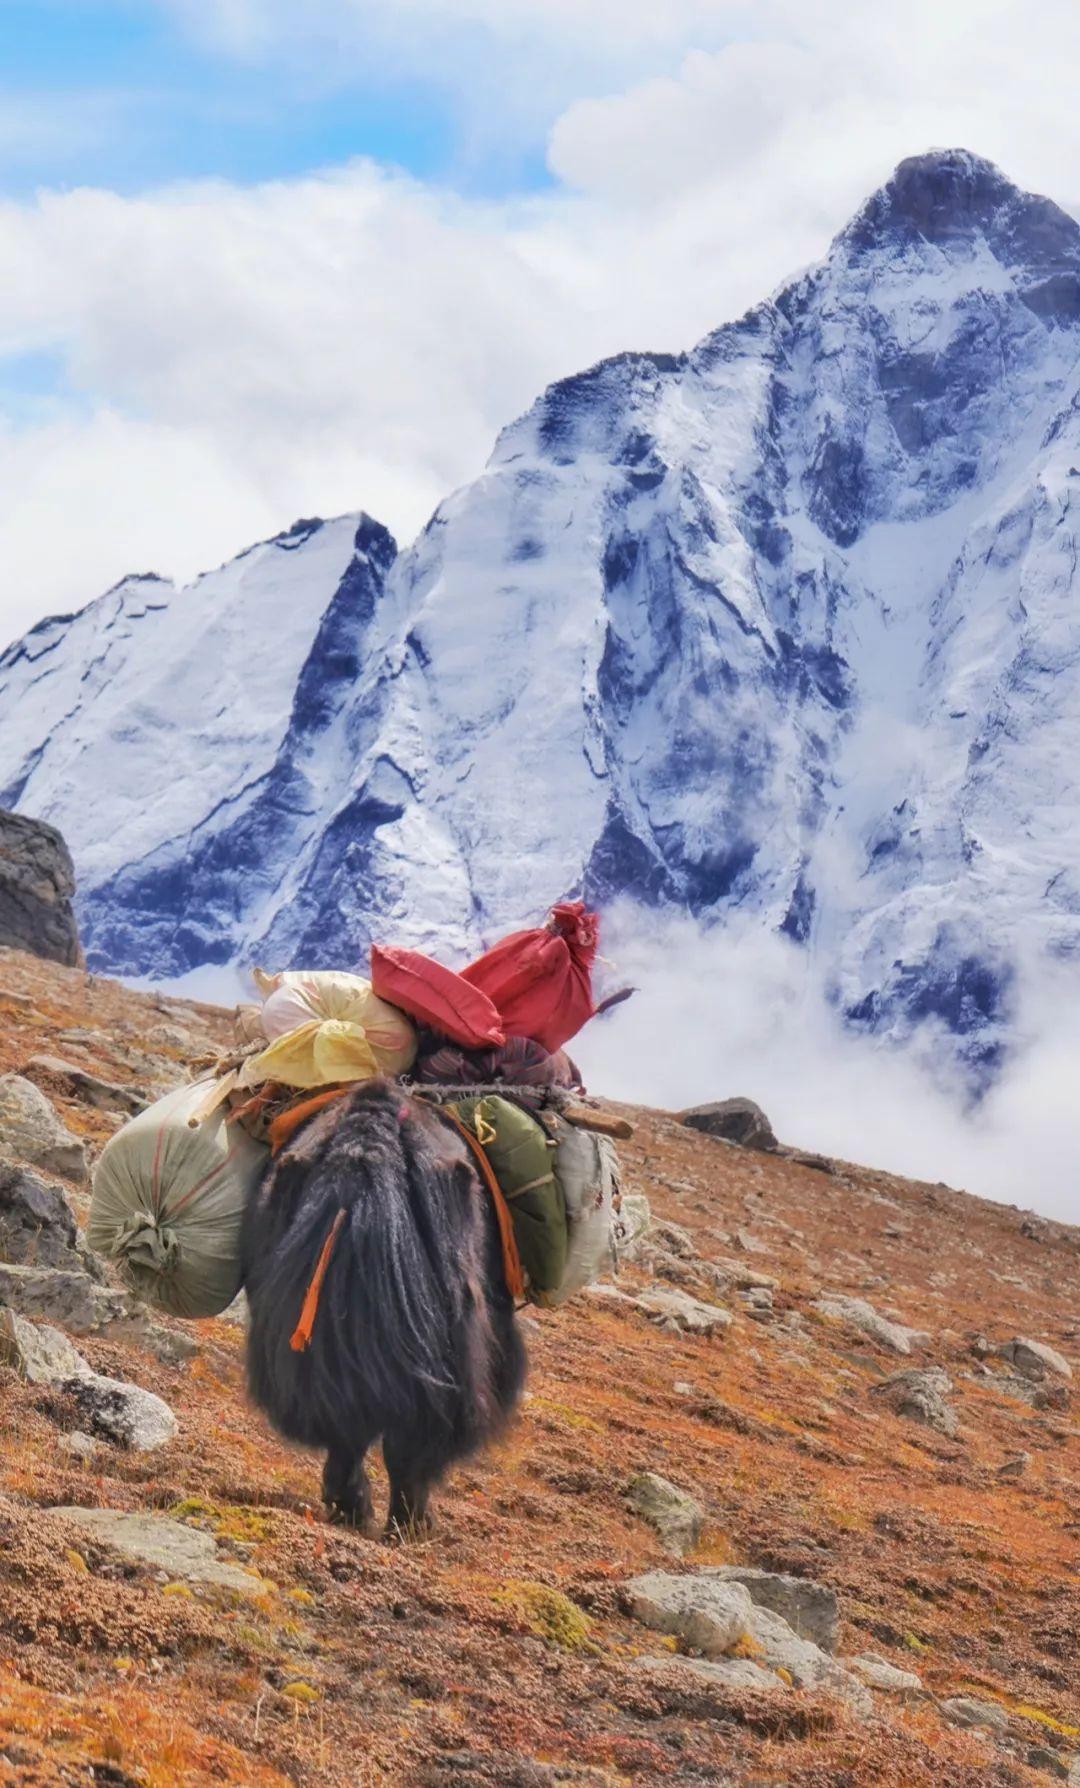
450 1664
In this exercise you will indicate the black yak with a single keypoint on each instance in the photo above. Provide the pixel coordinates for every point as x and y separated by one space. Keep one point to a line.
413 1338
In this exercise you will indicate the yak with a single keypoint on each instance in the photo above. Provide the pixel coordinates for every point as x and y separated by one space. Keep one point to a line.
375 1219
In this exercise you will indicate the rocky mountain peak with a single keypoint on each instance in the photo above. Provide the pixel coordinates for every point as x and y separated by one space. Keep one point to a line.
949 197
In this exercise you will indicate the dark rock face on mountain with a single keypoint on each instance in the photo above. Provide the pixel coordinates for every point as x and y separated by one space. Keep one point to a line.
37 885
781 630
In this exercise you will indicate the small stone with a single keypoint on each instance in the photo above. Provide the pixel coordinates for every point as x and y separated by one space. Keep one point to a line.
965 1710
677 1310
676 1515
732 1120
1014 1468
708 1615
125 1413
169 1545
809 1608
40 1354
877 1673
79 1445
31 1132
870 1322
1034 1359
1051 1762
921 1397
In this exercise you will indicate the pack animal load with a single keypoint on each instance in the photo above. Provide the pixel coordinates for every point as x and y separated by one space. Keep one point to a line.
169 1198
171 1187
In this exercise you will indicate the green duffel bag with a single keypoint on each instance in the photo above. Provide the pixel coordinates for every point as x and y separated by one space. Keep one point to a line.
521 1157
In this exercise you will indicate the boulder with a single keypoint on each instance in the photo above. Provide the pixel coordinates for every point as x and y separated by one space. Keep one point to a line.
732 1120
104 1095
722 1674
675 1514
1034 1359
922 1397
37 1225
31 1132
677 1310
40 1354
125 1413
166 1545
809 1608
37 882
709 1615
862 1316
714 1616
72 1299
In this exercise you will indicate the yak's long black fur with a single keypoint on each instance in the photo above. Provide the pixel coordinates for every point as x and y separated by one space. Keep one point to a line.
414 1339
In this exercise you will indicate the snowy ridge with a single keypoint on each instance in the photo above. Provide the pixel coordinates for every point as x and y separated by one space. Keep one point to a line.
784 625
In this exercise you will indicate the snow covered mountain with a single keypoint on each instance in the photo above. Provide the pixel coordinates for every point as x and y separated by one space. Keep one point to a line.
784 625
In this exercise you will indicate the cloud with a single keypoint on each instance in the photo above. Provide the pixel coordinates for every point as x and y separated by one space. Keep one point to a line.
743 1012
231 356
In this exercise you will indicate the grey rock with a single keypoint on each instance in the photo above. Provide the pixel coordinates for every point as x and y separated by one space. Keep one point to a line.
37 1225
732 1120
72 1299
718 1673
164 1544
809 1608
37 882
1034 1359
125 1413
677 1310
105 1095
706 1614
965 1710
878 1673
31 1132
675 1514
38 1353
921 1396
862 1316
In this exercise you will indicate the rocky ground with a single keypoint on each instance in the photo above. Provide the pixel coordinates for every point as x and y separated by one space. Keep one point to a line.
794 1503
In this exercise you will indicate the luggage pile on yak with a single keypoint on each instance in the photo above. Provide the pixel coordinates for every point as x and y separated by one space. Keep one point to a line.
486 1046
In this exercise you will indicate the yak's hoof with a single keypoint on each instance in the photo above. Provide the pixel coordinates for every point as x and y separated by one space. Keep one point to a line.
345 1514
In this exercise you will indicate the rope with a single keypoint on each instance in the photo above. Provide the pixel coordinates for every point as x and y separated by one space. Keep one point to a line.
512 1267
300 1340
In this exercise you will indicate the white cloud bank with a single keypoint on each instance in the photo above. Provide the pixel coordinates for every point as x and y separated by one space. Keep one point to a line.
744 1012
232 357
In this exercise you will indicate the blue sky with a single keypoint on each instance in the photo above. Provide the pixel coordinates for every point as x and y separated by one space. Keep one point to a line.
124 96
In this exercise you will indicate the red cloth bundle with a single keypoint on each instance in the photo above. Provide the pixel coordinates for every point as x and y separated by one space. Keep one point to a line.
540 981
436 997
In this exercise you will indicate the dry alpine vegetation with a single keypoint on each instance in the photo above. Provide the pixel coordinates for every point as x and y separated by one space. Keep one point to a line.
934 1521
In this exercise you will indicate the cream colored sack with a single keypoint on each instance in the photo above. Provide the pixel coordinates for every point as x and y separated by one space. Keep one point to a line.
168 1203
325 1027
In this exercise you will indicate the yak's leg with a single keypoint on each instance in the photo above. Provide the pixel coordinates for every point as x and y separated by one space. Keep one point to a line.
346 1490
410 1490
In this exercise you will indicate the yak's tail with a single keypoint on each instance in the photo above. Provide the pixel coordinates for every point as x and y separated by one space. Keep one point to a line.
374 1279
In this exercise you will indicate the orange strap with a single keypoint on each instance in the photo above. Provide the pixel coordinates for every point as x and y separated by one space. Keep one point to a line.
286 1124
515 1275
301 1335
